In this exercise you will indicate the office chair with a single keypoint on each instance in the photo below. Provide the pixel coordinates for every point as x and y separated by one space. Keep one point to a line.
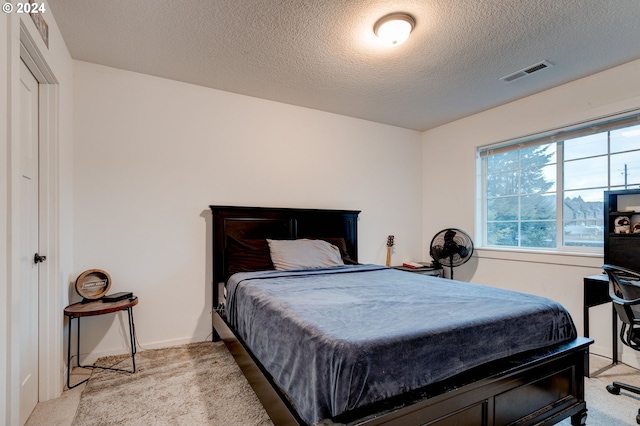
624 290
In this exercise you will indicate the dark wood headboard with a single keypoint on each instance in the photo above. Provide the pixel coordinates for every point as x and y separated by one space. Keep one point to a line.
277 223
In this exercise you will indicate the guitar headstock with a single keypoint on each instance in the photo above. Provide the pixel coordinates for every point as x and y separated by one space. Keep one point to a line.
390 241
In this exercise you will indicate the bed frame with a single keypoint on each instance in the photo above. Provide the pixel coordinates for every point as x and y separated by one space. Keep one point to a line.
539 387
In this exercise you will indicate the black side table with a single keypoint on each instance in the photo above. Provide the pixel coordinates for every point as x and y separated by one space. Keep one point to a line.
78 310
596 292
436 272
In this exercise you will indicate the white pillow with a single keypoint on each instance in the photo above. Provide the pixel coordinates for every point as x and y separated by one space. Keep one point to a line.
303 254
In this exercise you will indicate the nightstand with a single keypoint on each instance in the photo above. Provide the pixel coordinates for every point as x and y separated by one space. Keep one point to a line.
427 270
98 307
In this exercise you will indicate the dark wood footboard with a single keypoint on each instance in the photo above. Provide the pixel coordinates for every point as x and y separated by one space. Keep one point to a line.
540 387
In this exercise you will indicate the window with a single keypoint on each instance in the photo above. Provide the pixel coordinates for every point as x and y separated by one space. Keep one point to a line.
547 192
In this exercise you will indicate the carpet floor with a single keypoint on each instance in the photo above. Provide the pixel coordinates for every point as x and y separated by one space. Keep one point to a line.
200 384
195 384
605 409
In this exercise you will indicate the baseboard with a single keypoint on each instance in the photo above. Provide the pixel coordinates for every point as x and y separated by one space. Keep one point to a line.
91 358
602 350
630 358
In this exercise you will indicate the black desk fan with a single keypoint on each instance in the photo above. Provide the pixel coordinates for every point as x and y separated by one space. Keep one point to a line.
451 247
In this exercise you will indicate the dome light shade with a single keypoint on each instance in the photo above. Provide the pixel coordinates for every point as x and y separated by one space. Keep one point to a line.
394 29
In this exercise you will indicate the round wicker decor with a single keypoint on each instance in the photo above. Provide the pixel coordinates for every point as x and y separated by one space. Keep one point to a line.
93 284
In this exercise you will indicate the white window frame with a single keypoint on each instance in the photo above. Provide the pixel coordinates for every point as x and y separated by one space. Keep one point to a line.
558 135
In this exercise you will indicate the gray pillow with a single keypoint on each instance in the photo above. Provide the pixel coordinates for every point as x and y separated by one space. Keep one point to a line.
303 254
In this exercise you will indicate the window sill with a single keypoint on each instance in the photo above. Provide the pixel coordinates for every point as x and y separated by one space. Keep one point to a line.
594 260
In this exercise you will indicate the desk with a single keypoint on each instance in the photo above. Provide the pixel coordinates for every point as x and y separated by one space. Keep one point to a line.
98 307
596 292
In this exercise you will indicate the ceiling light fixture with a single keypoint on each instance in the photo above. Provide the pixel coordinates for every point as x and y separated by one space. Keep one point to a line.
394 29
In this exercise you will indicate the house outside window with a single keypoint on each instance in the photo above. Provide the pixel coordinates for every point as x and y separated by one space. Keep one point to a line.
547 192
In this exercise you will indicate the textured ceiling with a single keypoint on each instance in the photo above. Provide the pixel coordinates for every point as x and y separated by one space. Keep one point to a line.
322 54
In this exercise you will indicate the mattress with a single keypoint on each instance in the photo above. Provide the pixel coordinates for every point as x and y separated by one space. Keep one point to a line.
341 338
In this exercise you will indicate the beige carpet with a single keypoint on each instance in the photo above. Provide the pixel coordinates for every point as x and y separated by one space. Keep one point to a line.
604 408
195 384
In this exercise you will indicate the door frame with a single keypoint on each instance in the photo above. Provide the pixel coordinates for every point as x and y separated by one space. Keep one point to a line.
16 41
50 306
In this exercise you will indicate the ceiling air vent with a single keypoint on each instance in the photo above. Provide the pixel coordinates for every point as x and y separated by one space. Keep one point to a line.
526 71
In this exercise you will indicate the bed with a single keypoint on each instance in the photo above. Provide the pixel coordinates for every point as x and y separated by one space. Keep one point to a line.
334 348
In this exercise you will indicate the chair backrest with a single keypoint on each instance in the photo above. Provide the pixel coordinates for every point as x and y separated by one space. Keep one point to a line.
624 290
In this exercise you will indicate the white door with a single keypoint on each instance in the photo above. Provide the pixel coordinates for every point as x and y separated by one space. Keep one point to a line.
28 243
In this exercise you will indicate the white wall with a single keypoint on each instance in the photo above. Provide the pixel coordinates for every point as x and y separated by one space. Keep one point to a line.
151 155
555 276
55 163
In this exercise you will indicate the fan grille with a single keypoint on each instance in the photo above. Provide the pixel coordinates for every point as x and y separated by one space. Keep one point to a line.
451 247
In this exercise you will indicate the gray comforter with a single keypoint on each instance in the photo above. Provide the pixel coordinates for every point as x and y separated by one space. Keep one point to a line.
341 338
